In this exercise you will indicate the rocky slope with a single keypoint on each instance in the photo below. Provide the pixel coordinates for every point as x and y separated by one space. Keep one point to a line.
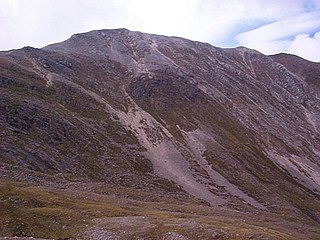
231 127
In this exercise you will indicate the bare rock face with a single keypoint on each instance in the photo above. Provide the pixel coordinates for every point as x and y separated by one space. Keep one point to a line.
232 127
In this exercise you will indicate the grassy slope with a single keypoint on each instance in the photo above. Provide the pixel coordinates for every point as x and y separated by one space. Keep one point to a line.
28 210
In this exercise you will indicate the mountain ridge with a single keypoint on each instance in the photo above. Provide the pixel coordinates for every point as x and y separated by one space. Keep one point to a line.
231 127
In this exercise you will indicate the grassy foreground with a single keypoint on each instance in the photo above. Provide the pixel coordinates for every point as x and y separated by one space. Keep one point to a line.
41 212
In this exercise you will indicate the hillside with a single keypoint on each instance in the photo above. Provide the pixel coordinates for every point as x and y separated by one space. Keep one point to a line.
139 122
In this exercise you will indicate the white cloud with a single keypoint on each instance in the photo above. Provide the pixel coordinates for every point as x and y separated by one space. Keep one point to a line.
206 20
306 46
38 23
281 29
279 36
163 17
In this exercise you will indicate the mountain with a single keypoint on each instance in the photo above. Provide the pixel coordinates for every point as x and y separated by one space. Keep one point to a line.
143 132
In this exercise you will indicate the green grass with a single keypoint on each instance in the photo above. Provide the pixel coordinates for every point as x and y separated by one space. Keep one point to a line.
41 212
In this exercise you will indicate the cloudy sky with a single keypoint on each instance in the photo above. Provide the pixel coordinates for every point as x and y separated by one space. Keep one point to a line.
269 26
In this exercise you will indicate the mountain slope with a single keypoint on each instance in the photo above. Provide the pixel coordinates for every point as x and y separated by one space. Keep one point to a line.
232 127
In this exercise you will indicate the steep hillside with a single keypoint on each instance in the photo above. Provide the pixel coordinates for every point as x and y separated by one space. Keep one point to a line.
179 120
309 71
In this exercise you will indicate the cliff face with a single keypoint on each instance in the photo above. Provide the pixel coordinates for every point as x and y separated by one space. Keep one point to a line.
232 127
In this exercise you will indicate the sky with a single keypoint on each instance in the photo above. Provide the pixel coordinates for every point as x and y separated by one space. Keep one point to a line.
269 26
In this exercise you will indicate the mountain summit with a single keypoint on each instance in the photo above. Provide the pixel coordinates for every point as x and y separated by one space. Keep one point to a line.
163 119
